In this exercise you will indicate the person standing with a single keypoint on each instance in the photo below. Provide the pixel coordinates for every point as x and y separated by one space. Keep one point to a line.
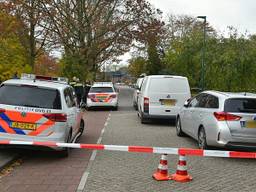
79 90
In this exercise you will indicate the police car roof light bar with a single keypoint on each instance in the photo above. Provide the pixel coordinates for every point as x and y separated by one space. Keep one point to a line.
41 77
27 76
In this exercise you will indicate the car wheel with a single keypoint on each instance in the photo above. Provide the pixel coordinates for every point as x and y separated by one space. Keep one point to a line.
66 151
202 144
179 131
115 108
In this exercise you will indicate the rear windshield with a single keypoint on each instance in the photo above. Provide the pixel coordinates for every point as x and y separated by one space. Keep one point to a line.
243 105
30 96
169 85
101 90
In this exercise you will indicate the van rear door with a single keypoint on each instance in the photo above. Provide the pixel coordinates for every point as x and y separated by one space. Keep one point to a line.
167 94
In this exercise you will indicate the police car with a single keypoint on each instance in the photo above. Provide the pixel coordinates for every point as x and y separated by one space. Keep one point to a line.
102 94
38 108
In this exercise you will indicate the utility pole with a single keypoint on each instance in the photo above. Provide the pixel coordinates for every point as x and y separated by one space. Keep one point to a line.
202 77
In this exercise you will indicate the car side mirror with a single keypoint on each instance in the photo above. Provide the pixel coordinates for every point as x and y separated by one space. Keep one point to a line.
186 104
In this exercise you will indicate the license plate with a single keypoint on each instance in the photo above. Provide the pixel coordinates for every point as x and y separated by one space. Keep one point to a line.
168 102
25 126
250 124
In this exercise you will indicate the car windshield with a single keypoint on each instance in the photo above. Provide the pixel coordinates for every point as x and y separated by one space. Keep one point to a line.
243 105
101 90
30 96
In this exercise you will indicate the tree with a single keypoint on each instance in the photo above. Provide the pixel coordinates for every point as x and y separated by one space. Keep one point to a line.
137 66
12 53
34 30
95 31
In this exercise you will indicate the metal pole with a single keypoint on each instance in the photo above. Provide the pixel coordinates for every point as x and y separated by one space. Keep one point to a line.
202 76
203 59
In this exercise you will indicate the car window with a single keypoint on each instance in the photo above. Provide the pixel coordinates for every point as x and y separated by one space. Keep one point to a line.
30 96
212 102
240 105
139 83
194 101
101 90
144 84
202 100
69 97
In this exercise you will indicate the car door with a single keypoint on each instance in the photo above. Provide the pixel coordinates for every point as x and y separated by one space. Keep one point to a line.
187 119
208 119
198 114
71 109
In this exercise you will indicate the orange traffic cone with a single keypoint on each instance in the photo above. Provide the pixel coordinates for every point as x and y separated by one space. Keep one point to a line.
181 174
162 171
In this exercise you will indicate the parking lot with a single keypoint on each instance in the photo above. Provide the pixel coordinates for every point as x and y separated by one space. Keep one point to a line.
122 171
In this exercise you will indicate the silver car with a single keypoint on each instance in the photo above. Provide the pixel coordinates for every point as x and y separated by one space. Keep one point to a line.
219 119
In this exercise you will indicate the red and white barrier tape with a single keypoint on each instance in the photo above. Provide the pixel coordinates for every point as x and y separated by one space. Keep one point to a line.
139 149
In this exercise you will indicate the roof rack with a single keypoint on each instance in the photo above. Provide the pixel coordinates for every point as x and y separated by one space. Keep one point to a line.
34 77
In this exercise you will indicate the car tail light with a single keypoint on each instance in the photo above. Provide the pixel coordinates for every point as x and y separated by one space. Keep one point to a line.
223 116
2 110
57 117
113 96
146 105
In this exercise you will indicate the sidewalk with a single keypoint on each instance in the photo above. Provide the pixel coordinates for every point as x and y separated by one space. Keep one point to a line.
7 157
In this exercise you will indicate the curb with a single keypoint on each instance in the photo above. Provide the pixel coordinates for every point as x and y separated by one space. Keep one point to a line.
7 158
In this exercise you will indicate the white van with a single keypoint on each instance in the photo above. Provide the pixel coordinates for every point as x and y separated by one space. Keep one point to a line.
162 96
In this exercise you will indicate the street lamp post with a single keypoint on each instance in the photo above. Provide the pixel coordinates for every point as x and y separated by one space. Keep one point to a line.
203 54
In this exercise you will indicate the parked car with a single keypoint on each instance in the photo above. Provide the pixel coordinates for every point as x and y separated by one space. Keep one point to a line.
38 108
219 119
136 92
162 96
102 94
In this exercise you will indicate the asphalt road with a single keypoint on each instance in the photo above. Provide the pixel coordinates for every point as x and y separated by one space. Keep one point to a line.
122 171
45 171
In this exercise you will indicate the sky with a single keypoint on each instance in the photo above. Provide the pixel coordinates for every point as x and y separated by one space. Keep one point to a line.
220 13
240 14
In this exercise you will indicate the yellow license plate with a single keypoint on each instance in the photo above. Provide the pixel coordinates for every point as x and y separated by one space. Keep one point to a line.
101 98
25 126
168 102
250 124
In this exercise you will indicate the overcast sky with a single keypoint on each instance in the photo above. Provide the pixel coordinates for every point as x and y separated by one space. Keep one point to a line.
220 13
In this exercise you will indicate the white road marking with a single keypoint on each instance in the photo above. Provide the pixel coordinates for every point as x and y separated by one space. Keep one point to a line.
82 182
99 140
85 176
93 156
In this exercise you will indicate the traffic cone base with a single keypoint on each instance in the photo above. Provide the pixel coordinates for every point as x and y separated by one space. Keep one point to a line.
181 178
161 177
